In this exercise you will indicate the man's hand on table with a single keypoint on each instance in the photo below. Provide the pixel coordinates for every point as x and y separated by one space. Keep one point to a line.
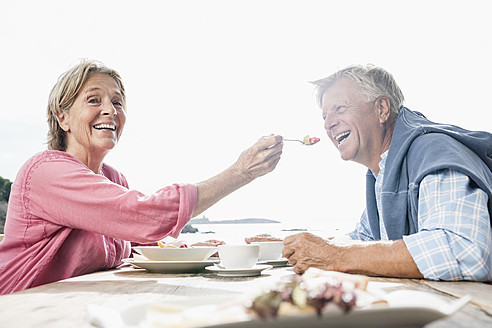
379 258
304 250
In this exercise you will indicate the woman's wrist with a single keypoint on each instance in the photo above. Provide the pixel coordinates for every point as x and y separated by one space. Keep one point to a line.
244 176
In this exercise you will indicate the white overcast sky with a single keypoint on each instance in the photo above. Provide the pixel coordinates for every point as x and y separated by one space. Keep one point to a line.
206 79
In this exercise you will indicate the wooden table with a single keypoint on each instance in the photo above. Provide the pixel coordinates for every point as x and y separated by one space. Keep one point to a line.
64 303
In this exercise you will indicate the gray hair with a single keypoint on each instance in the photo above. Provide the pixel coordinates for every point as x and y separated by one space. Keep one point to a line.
65 92
373 82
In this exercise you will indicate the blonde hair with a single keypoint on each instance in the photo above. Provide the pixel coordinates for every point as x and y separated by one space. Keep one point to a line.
373 82
65 91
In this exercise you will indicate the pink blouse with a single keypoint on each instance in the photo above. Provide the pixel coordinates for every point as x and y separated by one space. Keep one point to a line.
63 220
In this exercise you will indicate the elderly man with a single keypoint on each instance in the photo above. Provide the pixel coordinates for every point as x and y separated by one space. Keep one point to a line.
428 187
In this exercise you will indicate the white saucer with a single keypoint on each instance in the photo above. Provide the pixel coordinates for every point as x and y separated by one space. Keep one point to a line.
246 272
171 266
275 263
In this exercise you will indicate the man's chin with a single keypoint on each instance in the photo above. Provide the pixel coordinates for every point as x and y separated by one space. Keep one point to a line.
346 157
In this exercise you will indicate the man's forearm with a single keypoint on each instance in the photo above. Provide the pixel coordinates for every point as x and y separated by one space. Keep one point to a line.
376 258
381 258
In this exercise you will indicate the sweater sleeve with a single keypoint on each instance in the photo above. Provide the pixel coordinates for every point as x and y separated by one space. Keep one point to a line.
65 192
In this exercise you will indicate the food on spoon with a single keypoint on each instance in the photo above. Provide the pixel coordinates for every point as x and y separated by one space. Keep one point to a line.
315 292
310 140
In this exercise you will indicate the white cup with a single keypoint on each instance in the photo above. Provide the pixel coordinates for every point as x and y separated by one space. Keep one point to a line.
270 250
238 256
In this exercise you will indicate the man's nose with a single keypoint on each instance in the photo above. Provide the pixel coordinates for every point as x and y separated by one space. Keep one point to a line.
330 122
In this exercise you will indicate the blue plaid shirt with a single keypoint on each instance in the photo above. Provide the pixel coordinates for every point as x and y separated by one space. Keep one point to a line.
454 238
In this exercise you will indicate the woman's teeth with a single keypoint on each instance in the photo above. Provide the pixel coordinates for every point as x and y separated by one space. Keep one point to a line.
105 126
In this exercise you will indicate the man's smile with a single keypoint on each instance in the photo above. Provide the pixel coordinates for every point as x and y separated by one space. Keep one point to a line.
341 136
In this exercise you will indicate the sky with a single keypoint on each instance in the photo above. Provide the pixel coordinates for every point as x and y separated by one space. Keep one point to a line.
206 79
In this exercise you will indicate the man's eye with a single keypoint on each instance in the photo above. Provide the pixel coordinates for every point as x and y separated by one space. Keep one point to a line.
340 109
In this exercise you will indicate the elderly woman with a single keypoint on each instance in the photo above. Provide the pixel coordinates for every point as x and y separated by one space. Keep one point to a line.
70 213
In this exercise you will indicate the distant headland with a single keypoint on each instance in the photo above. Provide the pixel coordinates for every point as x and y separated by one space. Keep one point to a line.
205 220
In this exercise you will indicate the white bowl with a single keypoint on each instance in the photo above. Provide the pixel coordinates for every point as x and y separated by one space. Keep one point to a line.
238 256
156 253
270 250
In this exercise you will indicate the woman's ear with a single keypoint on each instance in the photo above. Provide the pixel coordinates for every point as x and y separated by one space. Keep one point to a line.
63 121
383 108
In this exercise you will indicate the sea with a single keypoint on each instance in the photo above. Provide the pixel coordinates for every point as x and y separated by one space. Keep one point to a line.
235 233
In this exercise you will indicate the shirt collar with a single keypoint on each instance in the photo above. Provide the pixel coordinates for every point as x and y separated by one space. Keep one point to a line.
382 163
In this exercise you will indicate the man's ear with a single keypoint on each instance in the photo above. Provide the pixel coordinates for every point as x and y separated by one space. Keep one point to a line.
63 121
383 109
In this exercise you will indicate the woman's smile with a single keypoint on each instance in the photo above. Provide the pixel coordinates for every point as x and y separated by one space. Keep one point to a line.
105 126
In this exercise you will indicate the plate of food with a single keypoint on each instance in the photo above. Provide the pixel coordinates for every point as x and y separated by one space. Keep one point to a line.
316 299
175 251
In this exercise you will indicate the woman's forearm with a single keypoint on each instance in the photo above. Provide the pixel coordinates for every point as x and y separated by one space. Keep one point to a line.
214 189
259 159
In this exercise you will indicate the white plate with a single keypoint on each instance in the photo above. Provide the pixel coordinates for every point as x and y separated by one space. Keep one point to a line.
369 318
276 263
156 253
250 272
171 266
207 313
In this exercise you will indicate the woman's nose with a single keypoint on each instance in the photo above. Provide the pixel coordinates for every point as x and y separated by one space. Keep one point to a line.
108 109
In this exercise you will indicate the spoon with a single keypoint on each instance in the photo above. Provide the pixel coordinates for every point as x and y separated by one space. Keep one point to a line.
308 141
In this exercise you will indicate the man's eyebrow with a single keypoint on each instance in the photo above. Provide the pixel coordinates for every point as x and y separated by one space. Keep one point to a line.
343 102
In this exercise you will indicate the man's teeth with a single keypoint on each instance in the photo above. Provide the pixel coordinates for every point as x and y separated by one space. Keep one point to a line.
105 126
342 136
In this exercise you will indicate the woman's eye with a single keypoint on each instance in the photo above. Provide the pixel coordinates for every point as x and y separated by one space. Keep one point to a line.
93 101
118 104
340 109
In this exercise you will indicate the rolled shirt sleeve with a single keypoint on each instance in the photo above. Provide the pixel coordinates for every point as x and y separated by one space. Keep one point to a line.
79 199
454 238
362 230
